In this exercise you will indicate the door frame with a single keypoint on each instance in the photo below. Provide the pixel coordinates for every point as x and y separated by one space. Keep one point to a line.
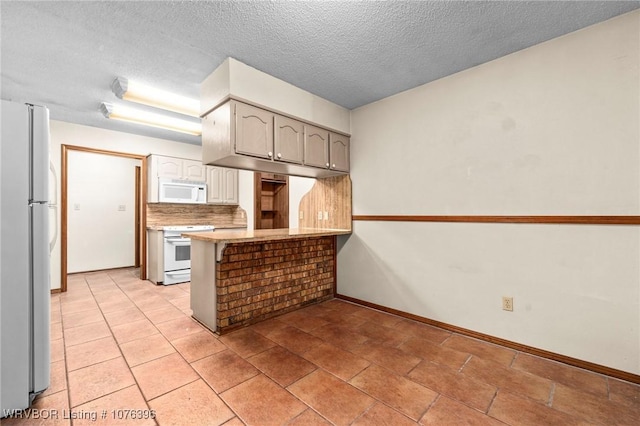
138 177
141 201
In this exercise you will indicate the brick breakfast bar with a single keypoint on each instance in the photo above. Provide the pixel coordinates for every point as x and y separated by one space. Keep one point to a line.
243 277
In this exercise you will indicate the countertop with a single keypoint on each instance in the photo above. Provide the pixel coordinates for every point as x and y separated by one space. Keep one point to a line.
240 236
160 227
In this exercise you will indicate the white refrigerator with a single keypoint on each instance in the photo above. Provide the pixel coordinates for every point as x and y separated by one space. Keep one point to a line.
24 255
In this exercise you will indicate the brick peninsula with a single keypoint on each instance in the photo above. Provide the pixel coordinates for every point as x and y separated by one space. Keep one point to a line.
243 277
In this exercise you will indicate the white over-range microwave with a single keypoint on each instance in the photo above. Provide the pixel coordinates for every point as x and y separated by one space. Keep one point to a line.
181 191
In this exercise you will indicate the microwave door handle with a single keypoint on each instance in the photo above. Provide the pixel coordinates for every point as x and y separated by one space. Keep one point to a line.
178 241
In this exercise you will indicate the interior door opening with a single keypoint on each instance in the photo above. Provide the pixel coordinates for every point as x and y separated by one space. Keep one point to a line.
102 205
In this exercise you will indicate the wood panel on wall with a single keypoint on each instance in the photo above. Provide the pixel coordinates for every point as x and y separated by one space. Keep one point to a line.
170 214
331 195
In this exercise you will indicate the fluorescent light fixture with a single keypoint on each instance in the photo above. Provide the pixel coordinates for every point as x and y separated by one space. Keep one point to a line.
132 115
133 91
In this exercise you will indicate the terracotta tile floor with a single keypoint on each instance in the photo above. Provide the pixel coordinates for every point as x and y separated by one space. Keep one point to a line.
118 343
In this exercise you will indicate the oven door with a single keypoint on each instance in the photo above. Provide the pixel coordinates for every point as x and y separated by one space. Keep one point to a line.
177 253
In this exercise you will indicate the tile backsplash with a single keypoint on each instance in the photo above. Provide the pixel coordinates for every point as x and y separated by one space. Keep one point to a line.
168 214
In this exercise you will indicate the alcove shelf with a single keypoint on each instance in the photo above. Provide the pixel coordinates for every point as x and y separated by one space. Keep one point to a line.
272 201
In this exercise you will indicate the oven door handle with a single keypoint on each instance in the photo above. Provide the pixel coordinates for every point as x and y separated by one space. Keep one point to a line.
177 274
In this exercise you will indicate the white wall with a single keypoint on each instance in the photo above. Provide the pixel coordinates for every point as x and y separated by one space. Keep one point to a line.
101 211
246 195
550 130
78 135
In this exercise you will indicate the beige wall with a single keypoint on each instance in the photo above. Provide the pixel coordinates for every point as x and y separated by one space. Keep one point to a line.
92 137
550 130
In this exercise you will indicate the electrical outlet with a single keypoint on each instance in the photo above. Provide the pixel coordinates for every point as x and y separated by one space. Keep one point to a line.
319 215
507 303
301 214
326 215
76 206
122 208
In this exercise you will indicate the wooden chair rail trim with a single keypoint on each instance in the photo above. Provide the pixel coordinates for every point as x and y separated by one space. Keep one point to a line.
596 368
575 220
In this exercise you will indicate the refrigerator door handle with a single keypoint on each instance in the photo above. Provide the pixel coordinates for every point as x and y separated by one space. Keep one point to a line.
54 239
40 293
54 182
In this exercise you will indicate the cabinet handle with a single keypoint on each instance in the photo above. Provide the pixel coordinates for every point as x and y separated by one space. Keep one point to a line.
327 165
333 166
270 154
279 155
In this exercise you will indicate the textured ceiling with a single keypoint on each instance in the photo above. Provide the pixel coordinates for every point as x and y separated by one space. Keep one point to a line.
64 54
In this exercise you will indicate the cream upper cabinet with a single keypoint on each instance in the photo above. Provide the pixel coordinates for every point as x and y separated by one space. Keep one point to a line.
176 168
214 185
166 167
288 141
316 147
193 170
222 185
338 152
230 183
254 131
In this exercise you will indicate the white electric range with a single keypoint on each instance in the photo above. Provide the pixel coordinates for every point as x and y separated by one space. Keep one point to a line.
177 252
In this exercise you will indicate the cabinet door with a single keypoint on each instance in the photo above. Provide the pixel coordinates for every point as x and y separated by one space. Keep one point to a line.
254 131
288 140
316 147
339 152
169 167
214 185
222 185
193 170
230 186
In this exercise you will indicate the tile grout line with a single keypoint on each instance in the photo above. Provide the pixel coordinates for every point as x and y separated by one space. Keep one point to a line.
551 394
513 361
465 363
199 376
64 351
495 395
120 349
64 345
436 399
188 363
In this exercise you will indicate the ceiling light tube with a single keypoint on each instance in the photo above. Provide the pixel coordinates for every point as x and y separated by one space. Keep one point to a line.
132 115
133 91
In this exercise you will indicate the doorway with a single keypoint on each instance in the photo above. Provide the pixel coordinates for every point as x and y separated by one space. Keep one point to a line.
271 201
102 205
